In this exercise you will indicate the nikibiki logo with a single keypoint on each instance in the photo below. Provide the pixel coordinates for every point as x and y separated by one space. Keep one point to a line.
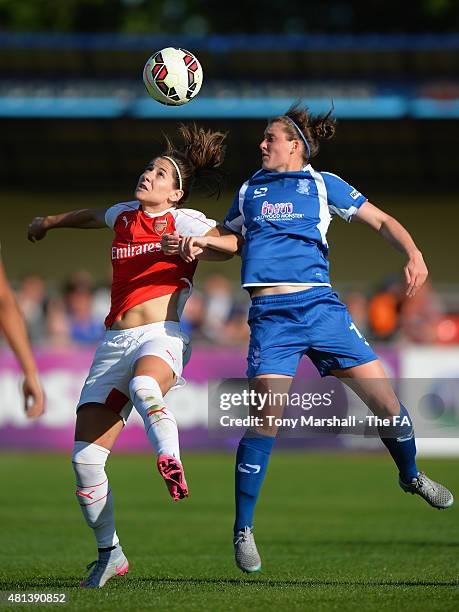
280 208
282 211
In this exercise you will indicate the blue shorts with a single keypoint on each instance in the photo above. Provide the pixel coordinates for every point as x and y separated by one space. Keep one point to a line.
313 322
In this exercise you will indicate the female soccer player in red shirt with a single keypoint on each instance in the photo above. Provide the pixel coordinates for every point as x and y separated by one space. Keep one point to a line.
143 352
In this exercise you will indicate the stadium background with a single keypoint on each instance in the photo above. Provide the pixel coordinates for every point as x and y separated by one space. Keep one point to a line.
77 128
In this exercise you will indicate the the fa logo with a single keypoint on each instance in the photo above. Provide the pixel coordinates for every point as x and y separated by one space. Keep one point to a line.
160 226
303 186
260 191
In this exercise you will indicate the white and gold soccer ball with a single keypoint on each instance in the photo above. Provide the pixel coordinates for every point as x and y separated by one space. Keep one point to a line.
172 76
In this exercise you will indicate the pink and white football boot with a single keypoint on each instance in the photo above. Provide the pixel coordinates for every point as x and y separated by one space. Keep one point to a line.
171 470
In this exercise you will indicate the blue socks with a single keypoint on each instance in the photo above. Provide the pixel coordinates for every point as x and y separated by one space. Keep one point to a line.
252 460
401 445
254 451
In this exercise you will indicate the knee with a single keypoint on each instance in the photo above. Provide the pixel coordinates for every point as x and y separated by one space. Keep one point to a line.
88 461
89 453
143 388
148 400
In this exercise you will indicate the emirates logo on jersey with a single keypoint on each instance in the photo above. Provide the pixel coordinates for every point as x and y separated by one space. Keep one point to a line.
160 226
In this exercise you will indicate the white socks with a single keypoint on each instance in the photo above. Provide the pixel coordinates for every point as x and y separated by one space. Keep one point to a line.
93 491
160 423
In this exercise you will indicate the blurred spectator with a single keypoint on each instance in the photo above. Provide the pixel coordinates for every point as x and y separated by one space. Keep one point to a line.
57 323
193 316
357 304
31 296
218 296
391 315
84 327
217 314
420 315
447 329
383 315
236 331
383 310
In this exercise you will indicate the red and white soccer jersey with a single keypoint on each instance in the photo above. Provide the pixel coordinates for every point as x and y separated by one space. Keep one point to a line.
141 270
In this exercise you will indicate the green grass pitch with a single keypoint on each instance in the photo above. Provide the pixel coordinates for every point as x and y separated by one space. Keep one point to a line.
334 531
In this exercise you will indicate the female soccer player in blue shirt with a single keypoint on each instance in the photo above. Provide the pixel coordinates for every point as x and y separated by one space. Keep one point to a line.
282 213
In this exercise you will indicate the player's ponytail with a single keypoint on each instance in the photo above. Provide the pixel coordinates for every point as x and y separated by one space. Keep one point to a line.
199 160
299 122
322 127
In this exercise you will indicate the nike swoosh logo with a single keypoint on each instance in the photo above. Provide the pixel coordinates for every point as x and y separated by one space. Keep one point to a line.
254 468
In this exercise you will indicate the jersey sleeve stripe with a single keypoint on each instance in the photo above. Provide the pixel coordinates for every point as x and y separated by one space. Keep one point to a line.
344 213
324 212
236 224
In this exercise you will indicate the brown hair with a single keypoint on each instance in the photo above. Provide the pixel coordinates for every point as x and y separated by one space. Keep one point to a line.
313 127
199 160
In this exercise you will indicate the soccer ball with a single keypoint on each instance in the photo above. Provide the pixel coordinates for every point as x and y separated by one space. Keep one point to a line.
172 76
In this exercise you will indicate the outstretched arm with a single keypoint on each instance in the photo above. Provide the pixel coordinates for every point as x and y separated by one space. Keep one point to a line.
219 244
415 269
13 326
219 241
87 218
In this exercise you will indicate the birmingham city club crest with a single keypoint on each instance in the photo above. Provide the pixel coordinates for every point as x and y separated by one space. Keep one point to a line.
303 186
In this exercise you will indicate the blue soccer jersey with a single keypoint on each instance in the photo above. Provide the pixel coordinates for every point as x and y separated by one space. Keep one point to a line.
284 218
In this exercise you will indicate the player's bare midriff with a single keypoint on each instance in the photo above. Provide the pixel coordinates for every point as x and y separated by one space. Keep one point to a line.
277 290
158 309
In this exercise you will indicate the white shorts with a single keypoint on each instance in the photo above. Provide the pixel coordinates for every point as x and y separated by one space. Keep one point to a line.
113 365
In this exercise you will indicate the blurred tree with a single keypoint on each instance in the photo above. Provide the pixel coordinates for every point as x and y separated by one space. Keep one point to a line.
439 8
60 15
131 16
202 16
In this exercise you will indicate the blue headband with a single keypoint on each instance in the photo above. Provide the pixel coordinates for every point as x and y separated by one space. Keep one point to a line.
303 137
